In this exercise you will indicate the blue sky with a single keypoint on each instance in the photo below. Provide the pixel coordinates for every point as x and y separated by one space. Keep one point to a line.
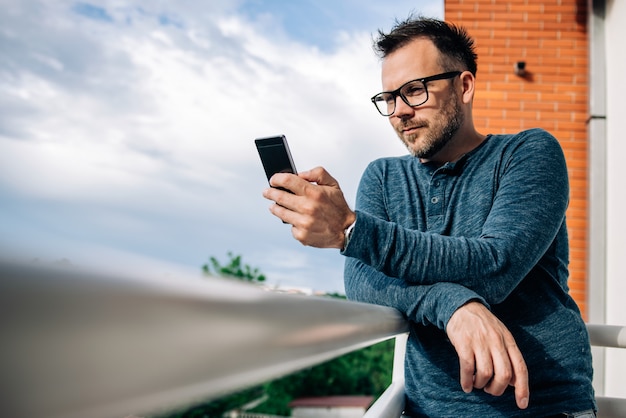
126 131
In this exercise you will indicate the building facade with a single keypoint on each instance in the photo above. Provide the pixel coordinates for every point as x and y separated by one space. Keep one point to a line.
558 65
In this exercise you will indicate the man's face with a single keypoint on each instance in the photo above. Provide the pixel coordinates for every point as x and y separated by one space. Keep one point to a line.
428 128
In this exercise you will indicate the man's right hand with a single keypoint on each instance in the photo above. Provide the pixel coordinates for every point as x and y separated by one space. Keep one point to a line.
316 208
488 354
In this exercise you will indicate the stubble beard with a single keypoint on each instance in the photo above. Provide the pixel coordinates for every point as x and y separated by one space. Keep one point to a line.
439 131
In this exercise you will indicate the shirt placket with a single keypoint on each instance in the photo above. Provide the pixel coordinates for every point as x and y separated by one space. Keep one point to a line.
435 206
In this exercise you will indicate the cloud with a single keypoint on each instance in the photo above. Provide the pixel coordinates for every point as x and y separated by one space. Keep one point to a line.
133 128
92 12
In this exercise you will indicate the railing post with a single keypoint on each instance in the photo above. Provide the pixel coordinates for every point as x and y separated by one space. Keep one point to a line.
391 403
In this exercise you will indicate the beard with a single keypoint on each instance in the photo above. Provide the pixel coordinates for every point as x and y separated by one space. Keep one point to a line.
439 131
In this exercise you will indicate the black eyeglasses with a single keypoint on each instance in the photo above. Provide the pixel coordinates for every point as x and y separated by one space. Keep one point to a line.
413 93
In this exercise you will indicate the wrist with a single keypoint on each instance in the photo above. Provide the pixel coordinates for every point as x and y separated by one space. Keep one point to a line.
347 234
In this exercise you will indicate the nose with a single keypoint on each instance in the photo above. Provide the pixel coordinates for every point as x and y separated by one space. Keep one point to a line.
403 110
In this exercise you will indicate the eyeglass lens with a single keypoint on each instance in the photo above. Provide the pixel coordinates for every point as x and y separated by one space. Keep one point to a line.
413 93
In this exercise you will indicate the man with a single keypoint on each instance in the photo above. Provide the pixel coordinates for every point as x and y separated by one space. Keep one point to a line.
466 236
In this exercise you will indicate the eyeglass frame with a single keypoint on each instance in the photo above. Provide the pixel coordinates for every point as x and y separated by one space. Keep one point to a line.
397 92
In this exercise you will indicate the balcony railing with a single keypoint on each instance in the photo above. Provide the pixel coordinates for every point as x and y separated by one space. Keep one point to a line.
79 343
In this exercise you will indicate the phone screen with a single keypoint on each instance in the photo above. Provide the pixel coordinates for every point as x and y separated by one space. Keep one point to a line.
275 155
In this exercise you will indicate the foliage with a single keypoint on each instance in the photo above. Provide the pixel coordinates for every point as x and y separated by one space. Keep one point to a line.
216 408
336 295
233 269
362 372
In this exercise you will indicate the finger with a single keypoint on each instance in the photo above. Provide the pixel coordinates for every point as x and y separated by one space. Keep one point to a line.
511 370
320 176
272 193
520 377
484 369
282 197
286 215
467 366
287 181
502 373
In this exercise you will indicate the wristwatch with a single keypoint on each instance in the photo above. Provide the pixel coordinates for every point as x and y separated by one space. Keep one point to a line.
347 234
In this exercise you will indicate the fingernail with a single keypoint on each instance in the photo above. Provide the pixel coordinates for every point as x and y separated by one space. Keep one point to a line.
523 403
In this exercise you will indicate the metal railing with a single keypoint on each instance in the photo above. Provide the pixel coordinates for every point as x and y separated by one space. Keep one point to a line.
81 344
609 336
391 402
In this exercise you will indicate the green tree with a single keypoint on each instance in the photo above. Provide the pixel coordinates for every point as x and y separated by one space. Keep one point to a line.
234 268
362 372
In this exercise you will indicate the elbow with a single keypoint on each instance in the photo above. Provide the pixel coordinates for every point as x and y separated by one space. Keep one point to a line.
498 283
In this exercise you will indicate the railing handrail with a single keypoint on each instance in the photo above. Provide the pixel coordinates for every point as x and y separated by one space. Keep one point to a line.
77 343
610 336
602 335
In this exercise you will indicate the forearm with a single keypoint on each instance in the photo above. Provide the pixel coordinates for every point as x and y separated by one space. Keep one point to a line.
425 304
490 265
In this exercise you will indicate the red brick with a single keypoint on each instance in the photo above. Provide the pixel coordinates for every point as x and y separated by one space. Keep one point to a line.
552 39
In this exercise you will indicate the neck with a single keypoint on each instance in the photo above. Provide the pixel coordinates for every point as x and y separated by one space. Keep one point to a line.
460 145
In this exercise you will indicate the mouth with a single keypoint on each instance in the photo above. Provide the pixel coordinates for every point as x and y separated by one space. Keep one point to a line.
411 129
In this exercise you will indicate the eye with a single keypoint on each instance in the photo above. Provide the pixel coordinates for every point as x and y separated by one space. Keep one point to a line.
387 98
413 89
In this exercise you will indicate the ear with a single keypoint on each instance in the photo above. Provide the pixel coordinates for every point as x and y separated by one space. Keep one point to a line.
468 85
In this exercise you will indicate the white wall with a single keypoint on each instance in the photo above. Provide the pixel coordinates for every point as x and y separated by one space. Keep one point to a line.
616 191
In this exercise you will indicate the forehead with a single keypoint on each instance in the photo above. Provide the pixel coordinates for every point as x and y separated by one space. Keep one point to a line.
419 58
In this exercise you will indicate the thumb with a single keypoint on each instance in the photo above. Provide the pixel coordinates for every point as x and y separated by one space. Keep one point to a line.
320 176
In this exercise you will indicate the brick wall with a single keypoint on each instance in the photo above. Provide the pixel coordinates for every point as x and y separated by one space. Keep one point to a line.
552 40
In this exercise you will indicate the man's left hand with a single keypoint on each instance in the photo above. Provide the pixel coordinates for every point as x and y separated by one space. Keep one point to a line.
489 357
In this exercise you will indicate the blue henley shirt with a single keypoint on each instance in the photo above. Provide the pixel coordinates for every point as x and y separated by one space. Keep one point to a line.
488 227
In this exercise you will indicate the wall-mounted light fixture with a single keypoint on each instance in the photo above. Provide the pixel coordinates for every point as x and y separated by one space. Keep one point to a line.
520 68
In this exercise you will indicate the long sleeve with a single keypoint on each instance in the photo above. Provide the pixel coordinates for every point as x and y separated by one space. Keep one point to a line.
425 304
503 210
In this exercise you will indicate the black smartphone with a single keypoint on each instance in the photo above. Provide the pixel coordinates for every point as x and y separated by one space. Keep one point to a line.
275 155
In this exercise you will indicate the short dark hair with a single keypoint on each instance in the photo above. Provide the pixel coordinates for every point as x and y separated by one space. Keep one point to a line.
452 41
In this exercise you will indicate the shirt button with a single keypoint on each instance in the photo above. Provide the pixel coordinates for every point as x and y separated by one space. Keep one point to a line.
437 183
435 200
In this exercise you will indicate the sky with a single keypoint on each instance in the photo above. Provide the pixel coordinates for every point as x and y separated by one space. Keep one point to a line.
127 128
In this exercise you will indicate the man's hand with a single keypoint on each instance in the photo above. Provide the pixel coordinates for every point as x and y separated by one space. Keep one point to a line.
317 209
488 355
